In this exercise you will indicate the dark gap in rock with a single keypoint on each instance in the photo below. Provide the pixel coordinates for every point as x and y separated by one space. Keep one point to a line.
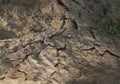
63 5
76 2
92 33
75 25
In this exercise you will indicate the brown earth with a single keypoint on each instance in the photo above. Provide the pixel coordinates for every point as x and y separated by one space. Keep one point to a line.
53 42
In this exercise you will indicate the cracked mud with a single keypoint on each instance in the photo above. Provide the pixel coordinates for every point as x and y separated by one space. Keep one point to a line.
48 44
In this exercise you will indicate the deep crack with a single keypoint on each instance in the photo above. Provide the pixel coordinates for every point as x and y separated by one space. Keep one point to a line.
109 52
76 2
63 5
24 74
92 33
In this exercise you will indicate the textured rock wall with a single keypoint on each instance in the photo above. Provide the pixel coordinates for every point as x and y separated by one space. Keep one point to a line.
89 11
48 44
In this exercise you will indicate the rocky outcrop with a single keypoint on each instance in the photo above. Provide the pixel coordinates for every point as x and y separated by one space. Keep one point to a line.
49 44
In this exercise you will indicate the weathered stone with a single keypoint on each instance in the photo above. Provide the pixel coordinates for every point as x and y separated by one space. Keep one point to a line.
51 42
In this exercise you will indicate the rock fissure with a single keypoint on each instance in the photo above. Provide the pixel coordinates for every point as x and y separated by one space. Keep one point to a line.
76 2
63 5
55 42
24 74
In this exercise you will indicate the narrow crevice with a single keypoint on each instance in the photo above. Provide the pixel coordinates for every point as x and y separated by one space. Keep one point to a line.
75 25
2 78
59 60
76 2
56 65
24 74
52 74
27 55
62 48
92 33
63 5
107 51
92 48
63 18
39 41
56 33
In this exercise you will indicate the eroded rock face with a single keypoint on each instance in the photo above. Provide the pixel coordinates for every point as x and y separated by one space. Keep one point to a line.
46 44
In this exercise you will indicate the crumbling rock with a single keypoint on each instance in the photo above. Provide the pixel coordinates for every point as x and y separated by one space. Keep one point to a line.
49 44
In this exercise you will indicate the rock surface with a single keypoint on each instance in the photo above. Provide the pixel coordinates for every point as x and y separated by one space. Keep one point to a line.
50 42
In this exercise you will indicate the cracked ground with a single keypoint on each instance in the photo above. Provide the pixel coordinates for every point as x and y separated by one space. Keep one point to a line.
48 43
